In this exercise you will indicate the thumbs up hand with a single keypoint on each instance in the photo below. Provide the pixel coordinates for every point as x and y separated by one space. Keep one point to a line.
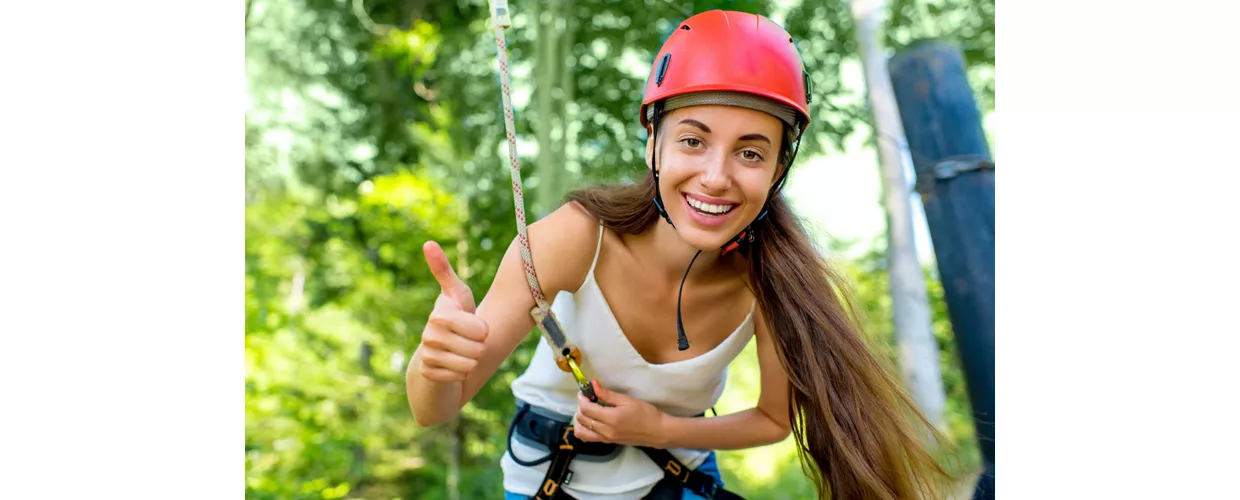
452 342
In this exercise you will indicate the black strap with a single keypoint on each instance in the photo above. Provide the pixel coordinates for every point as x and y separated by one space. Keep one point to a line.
553 482
547 431
513 425
697 481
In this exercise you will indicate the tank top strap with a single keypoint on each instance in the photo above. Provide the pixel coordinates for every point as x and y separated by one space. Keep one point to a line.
598 247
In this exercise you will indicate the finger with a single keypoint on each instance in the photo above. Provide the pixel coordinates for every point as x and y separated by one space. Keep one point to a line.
608 396
582 430
449 361
594 411
463 324
456 344
439 265
440 374
449 282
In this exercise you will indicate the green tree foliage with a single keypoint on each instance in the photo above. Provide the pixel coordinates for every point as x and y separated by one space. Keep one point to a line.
374 126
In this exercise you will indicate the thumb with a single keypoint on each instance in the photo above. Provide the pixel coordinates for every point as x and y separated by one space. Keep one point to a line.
451 285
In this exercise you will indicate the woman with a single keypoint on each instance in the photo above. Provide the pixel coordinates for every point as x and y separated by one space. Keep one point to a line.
661 284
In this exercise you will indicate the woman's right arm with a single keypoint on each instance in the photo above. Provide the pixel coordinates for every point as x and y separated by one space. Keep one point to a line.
461 348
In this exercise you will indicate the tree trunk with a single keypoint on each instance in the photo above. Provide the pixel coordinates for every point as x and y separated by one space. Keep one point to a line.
918 351
455 435
546 68
453 485
956 179
568 170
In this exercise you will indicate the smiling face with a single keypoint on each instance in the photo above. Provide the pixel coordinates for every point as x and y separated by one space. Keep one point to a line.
716 167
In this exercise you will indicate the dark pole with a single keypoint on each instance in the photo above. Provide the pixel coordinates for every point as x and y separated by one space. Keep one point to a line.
956 182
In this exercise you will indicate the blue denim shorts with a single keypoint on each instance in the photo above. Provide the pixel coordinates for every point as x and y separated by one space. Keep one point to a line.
709 467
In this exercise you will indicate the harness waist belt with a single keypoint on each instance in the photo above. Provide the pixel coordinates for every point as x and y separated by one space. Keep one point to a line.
545 428
555 431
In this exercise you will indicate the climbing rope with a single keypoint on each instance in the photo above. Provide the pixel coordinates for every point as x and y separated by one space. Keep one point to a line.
499 10
567 355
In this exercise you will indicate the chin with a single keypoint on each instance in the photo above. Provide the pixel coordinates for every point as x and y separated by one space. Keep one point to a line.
702 240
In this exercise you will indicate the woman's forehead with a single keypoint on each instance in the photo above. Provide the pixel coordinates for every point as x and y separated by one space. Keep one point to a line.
729 119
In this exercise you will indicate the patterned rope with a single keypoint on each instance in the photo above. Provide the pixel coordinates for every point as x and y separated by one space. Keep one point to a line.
500 17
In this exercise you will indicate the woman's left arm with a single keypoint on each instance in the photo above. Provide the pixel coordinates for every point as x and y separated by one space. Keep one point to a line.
634 422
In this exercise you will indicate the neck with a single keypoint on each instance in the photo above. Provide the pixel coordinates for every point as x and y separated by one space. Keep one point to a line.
669 255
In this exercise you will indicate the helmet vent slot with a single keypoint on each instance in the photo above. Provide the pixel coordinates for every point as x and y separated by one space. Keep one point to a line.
662 69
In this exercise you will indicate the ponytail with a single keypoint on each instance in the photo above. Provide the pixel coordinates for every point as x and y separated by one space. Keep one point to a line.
857 432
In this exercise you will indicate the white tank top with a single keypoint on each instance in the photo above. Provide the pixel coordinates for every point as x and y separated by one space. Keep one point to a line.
682 388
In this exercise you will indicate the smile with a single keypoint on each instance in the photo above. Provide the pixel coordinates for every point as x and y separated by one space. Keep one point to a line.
709 208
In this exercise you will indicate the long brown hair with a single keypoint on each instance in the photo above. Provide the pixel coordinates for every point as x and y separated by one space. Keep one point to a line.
859 435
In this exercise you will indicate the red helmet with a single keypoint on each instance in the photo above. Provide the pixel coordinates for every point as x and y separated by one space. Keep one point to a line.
727 57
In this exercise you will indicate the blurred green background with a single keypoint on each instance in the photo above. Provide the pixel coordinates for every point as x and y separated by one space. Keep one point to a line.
374 126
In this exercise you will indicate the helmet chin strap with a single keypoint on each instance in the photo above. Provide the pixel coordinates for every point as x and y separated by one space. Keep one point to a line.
739 242
682 341
654 168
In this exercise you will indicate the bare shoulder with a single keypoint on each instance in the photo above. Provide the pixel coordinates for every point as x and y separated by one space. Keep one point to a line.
562 245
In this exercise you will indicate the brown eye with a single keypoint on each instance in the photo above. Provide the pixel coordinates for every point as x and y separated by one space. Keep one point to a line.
691 142
751 155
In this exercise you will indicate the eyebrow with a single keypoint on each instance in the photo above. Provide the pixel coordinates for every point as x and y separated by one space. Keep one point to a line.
695 123
746 137
755 137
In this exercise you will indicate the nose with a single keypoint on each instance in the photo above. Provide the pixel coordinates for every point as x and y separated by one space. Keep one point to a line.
714 177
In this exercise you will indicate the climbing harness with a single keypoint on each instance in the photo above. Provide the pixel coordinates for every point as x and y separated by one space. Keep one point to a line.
556 431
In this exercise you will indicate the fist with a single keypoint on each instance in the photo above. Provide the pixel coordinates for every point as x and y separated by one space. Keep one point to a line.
452 342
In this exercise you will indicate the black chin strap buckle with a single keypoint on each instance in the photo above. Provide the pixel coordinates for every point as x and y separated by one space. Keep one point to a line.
741 241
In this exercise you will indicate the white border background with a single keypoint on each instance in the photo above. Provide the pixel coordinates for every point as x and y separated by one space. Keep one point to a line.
121 236
121 242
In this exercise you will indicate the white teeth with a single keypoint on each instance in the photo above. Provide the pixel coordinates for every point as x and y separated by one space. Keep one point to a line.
709 208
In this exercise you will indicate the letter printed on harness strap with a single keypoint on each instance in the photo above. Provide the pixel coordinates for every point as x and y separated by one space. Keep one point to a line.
558 469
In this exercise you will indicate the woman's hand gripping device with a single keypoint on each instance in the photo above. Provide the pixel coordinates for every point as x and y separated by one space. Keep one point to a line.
567 355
